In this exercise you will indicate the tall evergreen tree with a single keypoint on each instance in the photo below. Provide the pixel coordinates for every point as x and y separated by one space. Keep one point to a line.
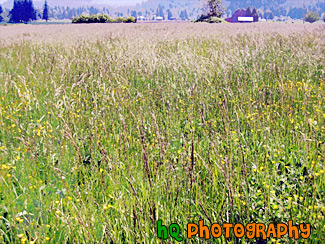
22 11
1 11
169 14
160 11
46 12
134 13
248 12
30 11
255 15
183 15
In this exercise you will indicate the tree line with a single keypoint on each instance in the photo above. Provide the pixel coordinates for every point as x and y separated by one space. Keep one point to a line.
23 11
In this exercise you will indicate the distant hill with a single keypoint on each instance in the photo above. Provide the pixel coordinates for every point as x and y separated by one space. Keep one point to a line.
292 8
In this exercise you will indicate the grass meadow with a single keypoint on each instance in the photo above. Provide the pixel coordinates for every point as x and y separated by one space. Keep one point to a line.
105 129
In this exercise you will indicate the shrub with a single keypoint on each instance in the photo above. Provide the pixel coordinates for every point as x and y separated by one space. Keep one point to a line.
311 17
120 20
101 18
93 19
210 20
80 19
130 20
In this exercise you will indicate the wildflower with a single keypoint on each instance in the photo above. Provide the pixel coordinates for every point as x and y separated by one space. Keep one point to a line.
107 207
20 235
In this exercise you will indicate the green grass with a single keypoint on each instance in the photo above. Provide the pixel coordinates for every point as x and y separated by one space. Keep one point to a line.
101 139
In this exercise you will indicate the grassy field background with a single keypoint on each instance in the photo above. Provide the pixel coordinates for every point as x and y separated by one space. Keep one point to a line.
104 129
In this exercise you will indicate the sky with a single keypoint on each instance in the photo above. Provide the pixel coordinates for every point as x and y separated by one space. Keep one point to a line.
119 2
108 2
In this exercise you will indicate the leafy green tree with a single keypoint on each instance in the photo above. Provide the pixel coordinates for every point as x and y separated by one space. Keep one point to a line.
311 17
214 8
46 12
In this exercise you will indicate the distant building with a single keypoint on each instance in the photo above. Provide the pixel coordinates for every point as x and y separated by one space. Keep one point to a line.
245 19
243 16
141 18
159 18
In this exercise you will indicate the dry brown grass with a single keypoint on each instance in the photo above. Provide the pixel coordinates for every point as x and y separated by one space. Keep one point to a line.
62 34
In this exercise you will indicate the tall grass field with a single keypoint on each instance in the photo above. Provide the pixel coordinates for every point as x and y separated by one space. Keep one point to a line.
107 128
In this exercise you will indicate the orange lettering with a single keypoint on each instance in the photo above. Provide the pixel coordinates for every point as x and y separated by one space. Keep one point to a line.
305 233
214 234
204 228
293 228
227 227
260 231
283 231
250 228
271 230
241 233
190 232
